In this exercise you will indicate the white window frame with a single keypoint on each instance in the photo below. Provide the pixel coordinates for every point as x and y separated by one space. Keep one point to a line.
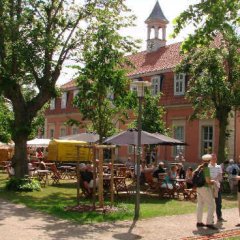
131 149
156 85
133 88
51 133
74 130
75 92
179 84
64 100
207 142
63 131
52 104
179 148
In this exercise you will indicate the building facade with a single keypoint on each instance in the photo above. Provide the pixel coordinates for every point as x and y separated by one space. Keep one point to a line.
157 64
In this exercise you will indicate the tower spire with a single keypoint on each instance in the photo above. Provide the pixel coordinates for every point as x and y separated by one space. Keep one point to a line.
158 22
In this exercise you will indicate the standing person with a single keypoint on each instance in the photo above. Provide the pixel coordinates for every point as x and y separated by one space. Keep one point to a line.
189 177
238 178
205 194
217 175
232 171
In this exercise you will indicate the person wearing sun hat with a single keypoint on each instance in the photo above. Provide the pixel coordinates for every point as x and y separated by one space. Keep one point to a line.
238 195
205 195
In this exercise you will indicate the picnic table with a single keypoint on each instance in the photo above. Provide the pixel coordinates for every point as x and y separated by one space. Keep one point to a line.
43 176
67 171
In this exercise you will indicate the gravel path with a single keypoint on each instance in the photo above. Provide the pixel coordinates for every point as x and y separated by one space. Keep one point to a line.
18 222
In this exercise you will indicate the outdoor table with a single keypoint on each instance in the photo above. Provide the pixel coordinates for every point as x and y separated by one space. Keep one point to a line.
48 165
66 171
35 164
43 176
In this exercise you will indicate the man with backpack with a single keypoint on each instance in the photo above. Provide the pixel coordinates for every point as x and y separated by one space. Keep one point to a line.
237 178
204 184
216 174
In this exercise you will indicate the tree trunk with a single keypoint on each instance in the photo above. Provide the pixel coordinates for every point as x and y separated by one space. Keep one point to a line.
20 161
223 123
22 129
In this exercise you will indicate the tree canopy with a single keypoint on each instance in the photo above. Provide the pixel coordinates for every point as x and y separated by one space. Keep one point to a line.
103 84
36 38
152 114
6 118
211 59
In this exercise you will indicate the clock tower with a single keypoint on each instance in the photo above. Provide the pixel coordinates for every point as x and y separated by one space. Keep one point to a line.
158 23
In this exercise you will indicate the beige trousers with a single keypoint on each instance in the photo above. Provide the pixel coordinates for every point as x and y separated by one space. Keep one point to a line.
205 198
239 203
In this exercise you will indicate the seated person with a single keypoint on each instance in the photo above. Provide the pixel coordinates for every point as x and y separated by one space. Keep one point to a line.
129 163
143 167
42 165
160 169
10 170
39 154
31 169
180 171
189 176
87 177
171 176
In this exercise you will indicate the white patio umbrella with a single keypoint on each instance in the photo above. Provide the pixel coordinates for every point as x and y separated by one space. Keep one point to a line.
38 142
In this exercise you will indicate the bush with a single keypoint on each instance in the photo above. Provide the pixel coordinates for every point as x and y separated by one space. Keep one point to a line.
23 185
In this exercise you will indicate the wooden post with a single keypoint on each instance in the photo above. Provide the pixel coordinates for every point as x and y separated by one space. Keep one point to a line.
112 173
100 184
94 178
78 177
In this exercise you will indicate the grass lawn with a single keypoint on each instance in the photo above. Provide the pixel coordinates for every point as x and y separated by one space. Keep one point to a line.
54 199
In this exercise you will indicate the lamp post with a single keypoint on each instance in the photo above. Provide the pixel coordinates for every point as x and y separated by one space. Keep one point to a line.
140 85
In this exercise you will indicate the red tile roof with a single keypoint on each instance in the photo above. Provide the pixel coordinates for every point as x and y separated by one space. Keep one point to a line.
69 85
164 58
146 62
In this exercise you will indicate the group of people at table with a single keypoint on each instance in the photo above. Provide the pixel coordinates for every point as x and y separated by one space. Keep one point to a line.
174 174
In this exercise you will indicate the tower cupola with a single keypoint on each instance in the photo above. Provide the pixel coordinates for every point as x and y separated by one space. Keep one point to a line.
158 23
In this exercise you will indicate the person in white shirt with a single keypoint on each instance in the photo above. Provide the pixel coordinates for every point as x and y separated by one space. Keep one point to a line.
216 174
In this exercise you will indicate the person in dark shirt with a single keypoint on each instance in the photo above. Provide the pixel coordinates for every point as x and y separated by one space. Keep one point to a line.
238 195
87 177
160 169
181 172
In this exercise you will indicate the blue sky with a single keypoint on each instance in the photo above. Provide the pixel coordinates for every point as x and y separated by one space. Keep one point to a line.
142 9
